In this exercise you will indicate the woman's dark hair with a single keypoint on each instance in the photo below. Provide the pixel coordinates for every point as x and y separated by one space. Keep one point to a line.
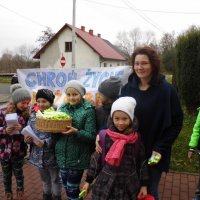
153 58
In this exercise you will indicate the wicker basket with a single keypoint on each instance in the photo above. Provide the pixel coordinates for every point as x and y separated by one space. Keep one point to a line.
53 126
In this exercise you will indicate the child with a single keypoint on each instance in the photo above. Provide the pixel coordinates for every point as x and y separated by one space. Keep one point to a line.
43 155
118 177
109 91
12 146
73 148
194 140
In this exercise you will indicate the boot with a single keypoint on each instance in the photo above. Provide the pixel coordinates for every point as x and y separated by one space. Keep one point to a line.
8 196
57 198
47 197
20 195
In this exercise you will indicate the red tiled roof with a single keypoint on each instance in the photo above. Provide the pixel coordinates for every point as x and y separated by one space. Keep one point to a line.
98 44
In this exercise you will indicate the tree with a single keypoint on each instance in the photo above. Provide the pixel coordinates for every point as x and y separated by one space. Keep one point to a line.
47 34
167 50
128 41
22 58
187 67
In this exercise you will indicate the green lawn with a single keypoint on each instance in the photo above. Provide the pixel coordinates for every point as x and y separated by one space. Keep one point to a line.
179 161
5 79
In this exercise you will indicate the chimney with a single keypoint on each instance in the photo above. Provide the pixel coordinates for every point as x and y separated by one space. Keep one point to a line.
83 28
99 35
91 32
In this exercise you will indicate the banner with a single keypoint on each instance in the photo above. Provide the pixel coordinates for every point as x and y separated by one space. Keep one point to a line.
56 79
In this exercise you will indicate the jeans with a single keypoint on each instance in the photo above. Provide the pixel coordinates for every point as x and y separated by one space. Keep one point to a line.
155 175
10 167
71 182
51 179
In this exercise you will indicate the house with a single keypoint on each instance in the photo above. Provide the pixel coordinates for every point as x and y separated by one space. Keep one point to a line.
91 50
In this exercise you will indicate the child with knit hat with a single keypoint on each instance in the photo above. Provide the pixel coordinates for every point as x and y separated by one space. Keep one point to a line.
118 178
73 148
43 155
12 146
108 91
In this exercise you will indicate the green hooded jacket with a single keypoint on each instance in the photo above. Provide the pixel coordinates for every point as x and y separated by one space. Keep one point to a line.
74 151
194 140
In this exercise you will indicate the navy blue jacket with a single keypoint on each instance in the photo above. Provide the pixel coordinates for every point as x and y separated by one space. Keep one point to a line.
159 114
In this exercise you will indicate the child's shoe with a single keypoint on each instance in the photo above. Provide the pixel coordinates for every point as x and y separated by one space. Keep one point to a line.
20 195
8 196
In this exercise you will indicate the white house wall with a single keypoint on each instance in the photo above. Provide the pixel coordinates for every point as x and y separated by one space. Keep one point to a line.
85 55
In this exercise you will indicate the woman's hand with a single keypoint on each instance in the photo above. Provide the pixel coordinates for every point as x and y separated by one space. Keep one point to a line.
155 158
98 147
142 193
28 139
71 130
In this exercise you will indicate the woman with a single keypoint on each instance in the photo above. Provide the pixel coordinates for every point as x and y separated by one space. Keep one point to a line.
158 111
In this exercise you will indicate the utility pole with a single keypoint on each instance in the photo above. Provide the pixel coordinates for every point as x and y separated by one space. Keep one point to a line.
74 35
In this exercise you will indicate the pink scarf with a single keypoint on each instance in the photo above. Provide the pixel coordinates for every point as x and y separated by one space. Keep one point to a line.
116 151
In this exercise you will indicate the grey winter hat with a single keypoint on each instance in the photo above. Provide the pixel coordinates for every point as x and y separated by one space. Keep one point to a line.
110 87
20 94
76 85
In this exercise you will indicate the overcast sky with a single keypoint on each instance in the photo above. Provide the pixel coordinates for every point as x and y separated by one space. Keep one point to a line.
22 21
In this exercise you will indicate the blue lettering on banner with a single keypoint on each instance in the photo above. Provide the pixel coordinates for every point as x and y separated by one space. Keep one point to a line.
89 76
41 78
53 79
72 75
61 79
30 82
104 76
50 77
98 77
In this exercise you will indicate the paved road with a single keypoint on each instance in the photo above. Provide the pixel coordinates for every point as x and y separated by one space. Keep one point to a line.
4 88
4 94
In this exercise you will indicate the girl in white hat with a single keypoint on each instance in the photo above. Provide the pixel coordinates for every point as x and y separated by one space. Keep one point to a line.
117 174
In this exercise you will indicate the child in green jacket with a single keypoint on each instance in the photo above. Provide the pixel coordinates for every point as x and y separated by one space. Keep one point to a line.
194 140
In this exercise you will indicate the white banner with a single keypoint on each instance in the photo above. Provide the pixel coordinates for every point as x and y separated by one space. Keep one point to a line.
56 79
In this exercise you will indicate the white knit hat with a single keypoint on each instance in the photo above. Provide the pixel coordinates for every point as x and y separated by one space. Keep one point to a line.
76 85
125 104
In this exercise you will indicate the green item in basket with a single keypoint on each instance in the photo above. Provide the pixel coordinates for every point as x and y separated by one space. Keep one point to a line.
54 115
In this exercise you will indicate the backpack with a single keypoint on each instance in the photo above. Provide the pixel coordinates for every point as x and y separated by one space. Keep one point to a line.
102 137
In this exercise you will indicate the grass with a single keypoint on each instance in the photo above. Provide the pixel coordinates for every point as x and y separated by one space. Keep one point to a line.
179 159
5 79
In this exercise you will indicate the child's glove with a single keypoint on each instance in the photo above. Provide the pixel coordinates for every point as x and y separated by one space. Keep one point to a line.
155 158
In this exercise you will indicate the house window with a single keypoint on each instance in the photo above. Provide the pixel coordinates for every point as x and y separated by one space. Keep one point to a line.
105 64
68 46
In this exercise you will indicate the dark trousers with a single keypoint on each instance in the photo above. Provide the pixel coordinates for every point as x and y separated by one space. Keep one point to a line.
13 167
71 181
155 175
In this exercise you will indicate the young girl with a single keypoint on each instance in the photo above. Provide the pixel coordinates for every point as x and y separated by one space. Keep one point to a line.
118 178
43 155
73 148
12 146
